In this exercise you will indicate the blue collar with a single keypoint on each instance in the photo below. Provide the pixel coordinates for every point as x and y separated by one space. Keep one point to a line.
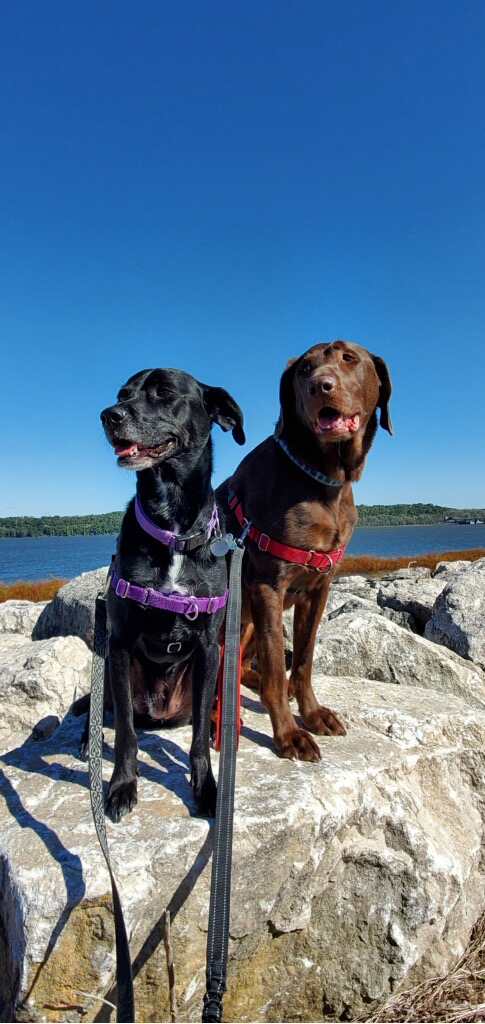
322 479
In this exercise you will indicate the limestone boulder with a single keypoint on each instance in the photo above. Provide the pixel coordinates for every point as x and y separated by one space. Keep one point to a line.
458 619
361 586
403 619
39 679
19 617
413 573
71 611
451 569
372 647
349 876
416 596
355 604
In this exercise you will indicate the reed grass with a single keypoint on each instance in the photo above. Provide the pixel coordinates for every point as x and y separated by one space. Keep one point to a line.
454 997
40 590
367 564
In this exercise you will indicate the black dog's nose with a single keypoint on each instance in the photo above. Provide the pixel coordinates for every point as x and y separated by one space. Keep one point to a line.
326 383
112 416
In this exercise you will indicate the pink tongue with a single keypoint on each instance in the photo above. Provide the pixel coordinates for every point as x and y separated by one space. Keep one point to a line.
338 422
119 450
331 422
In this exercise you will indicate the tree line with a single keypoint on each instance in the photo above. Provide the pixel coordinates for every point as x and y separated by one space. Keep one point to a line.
109 522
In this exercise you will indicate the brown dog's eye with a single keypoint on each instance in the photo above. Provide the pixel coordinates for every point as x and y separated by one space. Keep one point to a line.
305 370
348 358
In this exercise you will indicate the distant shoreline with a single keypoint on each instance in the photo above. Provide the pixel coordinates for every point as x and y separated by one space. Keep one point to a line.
108 523
360 526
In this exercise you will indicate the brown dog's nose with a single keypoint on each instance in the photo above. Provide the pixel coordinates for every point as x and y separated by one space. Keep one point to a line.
324 383
112 416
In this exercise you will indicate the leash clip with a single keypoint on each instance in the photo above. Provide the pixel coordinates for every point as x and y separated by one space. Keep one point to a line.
246 529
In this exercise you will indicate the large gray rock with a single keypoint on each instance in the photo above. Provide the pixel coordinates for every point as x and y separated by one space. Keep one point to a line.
450 569
71 611
414 596
349 875
360 604
372 647
39 679
353 603
20 616
411 573
458 620
403 619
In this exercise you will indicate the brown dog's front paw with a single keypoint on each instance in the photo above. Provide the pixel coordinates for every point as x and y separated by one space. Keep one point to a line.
299 746
251 678
323 722
121 800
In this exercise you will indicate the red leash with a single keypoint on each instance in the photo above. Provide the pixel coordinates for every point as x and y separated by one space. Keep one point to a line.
324 561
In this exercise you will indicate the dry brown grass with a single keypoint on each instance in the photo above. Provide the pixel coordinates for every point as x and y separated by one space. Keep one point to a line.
455 997
41 590
359 564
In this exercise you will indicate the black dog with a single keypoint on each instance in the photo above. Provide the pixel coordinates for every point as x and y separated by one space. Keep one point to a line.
163 664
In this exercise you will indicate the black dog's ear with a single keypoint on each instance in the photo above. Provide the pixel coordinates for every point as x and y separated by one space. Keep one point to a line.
384 393
287 395
222 409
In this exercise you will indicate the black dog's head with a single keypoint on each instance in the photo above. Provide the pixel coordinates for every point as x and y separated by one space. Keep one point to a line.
161 414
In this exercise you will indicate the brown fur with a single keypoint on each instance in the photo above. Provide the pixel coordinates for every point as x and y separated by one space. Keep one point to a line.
286 503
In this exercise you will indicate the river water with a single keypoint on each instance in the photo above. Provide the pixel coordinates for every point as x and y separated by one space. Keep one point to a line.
38 558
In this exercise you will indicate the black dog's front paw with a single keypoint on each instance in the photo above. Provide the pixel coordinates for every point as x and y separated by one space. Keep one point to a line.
204 785
121 799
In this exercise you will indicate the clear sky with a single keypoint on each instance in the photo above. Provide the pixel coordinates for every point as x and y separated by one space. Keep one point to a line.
218 185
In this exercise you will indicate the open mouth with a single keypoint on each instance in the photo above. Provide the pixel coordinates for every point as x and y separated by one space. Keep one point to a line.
130 452
331 421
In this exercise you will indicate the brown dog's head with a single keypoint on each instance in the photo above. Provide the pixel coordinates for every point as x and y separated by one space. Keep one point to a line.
332 393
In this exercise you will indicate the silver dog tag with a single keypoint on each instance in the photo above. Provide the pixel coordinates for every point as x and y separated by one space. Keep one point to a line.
221 545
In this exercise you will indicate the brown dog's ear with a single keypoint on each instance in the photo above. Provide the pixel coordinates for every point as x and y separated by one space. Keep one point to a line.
384 393
287 394
222 409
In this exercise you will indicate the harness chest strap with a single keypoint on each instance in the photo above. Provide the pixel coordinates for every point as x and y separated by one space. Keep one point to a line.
188 606
321 560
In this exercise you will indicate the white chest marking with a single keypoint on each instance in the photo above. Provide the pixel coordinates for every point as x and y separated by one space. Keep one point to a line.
175 568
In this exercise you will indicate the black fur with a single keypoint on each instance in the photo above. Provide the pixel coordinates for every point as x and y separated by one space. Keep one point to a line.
170 411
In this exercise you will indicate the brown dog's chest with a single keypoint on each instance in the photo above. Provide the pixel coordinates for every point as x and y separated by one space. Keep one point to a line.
314 526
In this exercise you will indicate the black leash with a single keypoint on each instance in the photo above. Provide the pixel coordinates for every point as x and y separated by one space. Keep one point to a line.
218 934
124 978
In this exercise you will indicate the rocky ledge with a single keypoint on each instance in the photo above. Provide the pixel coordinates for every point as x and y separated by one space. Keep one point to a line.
351 877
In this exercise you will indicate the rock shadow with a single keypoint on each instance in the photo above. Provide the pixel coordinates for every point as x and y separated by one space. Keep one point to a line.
69 863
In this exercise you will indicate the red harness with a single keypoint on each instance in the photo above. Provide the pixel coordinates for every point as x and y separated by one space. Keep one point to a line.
323 561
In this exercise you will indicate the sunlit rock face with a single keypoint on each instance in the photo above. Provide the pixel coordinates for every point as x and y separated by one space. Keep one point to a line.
351 877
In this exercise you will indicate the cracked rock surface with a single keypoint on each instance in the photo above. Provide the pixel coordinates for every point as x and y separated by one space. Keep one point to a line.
349 876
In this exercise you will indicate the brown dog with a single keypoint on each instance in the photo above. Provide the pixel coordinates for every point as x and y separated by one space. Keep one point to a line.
329 397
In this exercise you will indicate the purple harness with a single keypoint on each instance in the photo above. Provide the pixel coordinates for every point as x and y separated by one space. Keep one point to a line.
189 606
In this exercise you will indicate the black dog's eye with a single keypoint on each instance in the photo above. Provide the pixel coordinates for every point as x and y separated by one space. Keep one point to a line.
162 391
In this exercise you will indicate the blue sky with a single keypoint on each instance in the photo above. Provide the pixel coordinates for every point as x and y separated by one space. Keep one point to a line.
216 186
